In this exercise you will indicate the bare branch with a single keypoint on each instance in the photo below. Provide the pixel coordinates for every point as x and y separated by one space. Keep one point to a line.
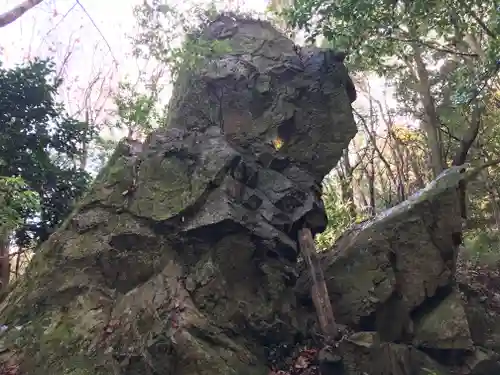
98 30
61 20
482 24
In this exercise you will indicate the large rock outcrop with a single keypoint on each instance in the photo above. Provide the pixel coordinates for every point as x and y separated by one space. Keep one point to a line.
182 259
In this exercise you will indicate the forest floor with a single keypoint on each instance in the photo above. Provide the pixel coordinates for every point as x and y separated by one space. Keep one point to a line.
481 276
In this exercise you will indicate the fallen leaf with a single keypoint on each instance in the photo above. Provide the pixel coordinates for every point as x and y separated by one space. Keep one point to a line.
301 362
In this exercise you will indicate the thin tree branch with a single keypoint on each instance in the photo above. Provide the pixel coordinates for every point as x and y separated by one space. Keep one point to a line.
15 13
482 24
433 46
62 19
98 30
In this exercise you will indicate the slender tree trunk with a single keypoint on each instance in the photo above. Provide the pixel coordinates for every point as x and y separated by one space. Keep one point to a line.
85 147
470 134
16 12
320 296
373 139
371 185
399 158
4 260
346 185
431 123
361 193
419 180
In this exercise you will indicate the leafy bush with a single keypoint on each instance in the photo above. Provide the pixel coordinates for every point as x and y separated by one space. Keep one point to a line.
338 216
41 148
483 246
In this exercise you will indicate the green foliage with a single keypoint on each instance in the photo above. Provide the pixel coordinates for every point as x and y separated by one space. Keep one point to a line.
172 35
16 200
375 31
455 44
457 41
104 150
483 245
136 110
196 51
40 144
338 216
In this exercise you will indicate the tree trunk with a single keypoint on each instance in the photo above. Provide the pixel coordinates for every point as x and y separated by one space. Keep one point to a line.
16 12
84 156
371 187
431 124
4 261
319 290
347 192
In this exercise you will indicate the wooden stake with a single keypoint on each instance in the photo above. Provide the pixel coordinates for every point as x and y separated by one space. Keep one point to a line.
319 290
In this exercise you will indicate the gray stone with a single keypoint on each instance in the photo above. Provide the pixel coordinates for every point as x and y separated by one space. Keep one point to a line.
402 254
445 327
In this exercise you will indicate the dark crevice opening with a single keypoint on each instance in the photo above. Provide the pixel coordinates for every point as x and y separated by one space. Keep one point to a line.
287 129
447 357
368 323
430 303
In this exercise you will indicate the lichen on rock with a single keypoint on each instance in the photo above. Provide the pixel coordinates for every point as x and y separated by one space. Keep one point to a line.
445 327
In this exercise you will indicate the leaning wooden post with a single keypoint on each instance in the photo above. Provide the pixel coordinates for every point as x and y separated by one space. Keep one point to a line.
320 296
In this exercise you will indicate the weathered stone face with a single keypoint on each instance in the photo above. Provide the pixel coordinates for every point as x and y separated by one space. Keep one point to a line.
385 268
267 88
215 164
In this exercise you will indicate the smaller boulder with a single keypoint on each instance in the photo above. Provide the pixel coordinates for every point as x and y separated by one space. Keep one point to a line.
365 353
445 327
483 362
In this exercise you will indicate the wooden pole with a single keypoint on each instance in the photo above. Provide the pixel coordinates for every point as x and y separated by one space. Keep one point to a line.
320 296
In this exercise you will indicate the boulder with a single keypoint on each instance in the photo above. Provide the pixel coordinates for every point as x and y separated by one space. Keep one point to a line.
366 353
381 271
445 326
480 287
482 362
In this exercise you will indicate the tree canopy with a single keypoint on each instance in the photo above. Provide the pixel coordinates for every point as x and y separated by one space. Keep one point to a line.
40 147
441 60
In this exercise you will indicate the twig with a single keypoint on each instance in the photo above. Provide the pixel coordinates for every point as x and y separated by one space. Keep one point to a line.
62 19
98 30
435 48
